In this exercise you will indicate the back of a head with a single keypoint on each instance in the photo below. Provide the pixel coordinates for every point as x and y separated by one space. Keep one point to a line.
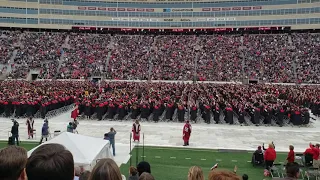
222 175
50 162
85 175
133 171
245 177
195 173
292 170
106 169
143 166
13 161
146 176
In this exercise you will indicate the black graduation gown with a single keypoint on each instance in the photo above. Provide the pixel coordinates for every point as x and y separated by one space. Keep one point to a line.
156 113
193 113
121 112
135 113
256 119
169 111
206 114
181 112
280 117
216 116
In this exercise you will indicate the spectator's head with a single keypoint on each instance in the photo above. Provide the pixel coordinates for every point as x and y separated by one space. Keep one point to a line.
85 175
222 175
317 145
245 177
293 170
143 167
291 147
259 147
70 123
137 121
106 135
146 176
77 171
13 160
195 173
111 129
271 146
106 169
133 171
50 162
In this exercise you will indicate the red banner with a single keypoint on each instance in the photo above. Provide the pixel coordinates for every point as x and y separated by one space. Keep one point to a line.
246 8
131 9
92 8
121 9
236 8
140 9
82 8
150 10
112 9
206 9
226 9
257 7
216 9
102 8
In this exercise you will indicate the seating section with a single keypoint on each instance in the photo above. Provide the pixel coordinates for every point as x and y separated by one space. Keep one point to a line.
285 58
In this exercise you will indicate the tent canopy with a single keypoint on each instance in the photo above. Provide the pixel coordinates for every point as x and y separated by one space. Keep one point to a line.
85 150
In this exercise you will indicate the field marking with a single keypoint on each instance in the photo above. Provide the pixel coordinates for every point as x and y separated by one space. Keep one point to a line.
218 160
172 157
249 161
234 160
143 156
203 159
158 157
188 158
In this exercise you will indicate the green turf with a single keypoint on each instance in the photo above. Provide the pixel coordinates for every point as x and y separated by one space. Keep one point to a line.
27 145
174 163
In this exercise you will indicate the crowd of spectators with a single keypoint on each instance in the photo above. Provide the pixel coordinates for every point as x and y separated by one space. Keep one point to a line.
307 55
174 57
85 55
39 51
269 57
7 41
130 57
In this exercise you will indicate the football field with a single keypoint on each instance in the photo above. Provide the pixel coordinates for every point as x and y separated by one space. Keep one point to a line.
174 163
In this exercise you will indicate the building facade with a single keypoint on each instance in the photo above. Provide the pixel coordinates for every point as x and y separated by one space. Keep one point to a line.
158 14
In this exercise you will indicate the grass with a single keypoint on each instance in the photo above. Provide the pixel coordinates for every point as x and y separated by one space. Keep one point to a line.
174 163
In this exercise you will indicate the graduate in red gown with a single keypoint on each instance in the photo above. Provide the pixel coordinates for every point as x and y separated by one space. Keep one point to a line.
186 133
136 128
29 124
75 113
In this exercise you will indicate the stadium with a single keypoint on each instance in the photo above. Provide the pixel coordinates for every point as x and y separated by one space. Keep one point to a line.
241 73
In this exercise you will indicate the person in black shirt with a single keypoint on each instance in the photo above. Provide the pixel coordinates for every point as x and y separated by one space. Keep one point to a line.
15 132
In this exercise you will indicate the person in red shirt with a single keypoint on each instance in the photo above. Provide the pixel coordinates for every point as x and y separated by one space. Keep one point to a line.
316 152
186 133
269 156
308 154
291 156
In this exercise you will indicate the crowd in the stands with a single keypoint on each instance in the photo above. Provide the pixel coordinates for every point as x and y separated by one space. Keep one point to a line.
269 57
